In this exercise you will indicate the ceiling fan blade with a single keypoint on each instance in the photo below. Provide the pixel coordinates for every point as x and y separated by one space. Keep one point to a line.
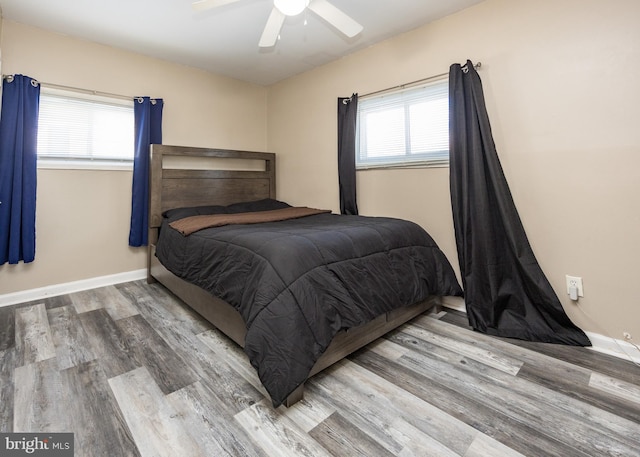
272 29
335 17
202 5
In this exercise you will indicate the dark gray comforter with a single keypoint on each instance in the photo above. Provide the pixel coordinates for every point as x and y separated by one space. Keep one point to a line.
297 283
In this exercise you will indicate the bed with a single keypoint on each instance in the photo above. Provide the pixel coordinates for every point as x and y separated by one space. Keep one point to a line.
295 308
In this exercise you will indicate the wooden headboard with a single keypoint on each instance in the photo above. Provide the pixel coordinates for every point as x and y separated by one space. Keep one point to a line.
181 187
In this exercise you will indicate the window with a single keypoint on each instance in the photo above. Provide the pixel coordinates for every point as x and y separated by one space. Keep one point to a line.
77 128
407 127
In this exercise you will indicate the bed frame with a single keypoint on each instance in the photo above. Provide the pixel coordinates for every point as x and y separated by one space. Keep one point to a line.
181 187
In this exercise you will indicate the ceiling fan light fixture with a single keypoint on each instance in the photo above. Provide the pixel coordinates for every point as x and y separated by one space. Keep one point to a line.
291 7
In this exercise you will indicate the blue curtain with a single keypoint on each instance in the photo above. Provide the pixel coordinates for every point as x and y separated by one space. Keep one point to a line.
18 154
148 131
347 122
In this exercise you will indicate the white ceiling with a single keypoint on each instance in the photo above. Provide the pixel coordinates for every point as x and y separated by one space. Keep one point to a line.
225 40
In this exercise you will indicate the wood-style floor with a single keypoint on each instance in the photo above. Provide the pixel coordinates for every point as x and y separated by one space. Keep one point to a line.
131 371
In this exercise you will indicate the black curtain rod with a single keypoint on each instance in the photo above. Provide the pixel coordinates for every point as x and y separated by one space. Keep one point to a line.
85 91
78 89
423 80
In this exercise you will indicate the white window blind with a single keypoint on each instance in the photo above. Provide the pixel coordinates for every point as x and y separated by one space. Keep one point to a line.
407 127
74 126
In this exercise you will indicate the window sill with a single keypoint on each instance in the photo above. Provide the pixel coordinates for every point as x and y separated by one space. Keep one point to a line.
403 166
47 164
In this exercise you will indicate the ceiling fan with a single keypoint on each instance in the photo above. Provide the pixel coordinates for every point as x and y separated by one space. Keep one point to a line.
283 8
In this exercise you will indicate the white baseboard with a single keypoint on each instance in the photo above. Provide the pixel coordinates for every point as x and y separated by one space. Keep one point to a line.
70 287
612 346
456 303
600 343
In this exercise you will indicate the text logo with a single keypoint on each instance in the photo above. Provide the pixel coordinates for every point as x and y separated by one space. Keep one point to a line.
36 444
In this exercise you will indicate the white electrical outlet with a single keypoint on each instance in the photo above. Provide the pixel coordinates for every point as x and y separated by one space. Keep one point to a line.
574 281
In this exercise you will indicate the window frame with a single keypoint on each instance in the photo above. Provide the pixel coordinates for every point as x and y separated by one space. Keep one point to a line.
414 93
87 163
